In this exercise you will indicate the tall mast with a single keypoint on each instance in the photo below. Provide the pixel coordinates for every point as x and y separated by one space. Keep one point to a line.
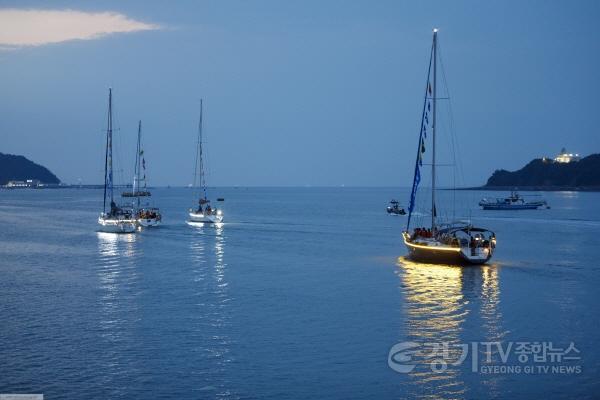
108 169
433 210
200 160
106 162
136 179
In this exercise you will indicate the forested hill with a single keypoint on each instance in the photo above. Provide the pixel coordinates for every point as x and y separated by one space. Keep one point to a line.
541 174
19 168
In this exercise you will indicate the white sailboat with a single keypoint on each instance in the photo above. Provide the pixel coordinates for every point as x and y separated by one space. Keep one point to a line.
203 213
450 243
145 215
116 219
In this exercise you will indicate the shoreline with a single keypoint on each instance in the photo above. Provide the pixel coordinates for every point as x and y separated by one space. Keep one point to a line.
534 188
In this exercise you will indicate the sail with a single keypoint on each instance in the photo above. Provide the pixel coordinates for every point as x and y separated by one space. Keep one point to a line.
426 124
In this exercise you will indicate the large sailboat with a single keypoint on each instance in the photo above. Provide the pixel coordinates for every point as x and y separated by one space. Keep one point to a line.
443 243
115 219
203 212
145 214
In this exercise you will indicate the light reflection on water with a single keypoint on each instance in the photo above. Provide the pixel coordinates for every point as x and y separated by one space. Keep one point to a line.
119 310
441 304
207 248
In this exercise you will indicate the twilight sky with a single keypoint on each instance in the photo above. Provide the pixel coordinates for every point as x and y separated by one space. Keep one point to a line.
296 92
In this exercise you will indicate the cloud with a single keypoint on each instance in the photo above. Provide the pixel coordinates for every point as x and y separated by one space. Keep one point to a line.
33 27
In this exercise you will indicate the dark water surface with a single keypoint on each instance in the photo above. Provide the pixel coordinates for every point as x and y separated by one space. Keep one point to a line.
300 294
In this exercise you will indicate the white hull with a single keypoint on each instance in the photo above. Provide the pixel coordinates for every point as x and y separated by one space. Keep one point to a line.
205 218
112 225
148 222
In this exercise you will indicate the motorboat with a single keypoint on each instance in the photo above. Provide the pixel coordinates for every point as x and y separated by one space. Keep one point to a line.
513 202
395 209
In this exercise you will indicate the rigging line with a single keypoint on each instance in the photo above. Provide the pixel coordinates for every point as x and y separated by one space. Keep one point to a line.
116 151
456 148
453 135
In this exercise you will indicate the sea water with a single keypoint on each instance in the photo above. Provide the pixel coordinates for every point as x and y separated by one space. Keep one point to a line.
301 293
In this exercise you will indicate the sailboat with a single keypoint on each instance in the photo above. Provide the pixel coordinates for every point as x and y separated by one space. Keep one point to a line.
204 212
145 215
441 243
116 219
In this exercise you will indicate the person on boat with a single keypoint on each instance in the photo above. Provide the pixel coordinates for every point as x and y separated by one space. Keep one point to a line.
472 245
199 211
113 208
208 209
455 241
416 233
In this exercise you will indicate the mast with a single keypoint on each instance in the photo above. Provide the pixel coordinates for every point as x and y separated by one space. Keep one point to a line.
433 210
200 160
105 163
136 178
108 169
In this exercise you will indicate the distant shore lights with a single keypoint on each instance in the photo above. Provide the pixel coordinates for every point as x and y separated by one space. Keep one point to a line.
565 157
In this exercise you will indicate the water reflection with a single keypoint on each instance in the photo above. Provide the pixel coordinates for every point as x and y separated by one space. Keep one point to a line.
207 248
451 304
117 302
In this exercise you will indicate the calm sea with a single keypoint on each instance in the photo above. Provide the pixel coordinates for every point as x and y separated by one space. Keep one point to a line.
302 293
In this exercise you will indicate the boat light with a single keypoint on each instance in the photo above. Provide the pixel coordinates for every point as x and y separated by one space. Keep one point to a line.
441 248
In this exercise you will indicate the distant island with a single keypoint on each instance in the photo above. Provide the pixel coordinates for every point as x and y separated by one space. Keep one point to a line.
566 171
18 171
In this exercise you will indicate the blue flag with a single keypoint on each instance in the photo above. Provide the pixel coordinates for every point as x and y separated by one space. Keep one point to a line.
411 206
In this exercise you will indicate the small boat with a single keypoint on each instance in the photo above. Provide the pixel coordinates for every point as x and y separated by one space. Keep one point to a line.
513 202
139 193
145 215
148 216
204 212
395 209
442 243
117 219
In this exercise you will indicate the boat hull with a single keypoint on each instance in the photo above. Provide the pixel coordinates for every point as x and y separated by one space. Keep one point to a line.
393 211
433 256
148 222
510 207
110 225
434 252
205 218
